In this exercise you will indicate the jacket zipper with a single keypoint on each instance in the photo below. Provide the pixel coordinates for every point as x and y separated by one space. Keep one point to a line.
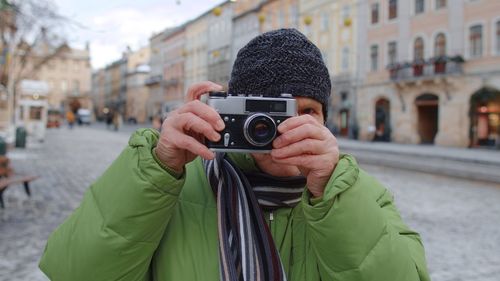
271 219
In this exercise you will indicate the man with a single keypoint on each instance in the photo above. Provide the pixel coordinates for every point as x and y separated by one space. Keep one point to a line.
170 209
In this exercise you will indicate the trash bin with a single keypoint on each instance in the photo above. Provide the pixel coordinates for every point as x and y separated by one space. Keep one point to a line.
20 137
3 147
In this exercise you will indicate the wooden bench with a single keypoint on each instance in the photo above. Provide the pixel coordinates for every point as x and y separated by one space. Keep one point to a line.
8 178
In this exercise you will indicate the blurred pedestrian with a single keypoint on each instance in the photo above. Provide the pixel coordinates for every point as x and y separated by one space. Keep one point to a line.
109 119
117 120
70 118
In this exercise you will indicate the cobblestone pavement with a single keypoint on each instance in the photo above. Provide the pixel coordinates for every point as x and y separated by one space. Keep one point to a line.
68 162
458 219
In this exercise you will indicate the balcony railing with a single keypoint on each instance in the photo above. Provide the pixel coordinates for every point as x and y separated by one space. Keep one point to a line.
426 69
153 80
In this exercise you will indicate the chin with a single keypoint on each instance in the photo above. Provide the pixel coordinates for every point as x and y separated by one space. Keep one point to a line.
266 163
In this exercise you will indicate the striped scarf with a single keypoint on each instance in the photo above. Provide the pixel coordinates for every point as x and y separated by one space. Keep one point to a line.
246 247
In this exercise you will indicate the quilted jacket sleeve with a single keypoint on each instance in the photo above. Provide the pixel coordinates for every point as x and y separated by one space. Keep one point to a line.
357 233
113 234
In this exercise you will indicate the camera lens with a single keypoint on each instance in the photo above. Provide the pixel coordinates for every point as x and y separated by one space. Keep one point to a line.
259 129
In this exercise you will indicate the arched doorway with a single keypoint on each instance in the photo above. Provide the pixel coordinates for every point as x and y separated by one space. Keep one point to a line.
382 120
485 118
344 122
428 112
344 114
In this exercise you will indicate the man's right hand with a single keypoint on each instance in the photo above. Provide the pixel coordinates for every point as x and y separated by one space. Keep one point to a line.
184 130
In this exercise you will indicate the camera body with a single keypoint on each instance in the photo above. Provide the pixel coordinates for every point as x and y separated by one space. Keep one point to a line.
251 121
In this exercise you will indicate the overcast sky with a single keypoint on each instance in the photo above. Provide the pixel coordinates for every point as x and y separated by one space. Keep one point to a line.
111 25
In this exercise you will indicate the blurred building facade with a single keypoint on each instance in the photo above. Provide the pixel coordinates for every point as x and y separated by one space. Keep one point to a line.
276 14
137 93
155 80
196 49
430 72
68 75
121 87
414 71
117 85
173 69
245 24
333 27
98 93
66 71
220 28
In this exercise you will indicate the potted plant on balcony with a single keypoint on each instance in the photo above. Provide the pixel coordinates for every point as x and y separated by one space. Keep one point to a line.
418 67
457 59
440 64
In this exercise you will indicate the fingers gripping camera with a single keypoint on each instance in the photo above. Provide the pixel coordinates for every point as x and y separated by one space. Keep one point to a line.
251 121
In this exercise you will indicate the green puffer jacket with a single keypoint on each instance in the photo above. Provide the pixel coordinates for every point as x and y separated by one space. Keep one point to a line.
138 222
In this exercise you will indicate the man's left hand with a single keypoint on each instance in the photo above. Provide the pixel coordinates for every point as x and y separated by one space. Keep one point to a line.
306 143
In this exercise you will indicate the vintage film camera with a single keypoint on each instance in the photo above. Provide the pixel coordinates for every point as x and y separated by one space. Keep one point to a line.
251 121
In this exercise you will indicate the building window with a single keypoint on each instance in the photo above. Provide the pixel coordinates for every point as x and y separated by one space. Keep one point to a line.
346 11
345 59
393 9
64 64
440 45
76 86
440 4
392 52
476 41
498 37
418 49
375 12
36 112
374 57
419 6
324 21
344 96
64 86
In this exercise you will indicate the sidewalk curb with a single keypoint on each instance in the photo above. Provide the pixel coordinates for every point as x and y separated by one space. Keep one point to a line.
452 154
440 164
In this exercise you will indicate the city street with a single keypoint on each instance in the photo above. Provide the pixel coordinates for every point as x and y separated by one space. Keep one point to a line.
459 219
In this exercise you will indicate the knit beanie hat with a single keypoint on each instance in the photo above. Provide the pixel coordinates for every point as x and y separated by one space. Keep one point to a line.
281 61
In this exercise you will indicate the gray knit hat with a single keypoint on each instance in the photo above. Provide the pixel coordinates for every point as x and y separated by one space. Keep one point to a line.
281 61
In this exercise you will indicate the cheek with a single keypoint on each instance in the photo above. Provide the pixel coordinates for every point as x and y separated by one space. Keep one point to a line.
318 117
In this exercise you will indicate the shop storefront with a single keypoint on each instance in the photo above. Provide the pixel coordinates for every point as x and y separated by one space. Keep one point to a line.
485 118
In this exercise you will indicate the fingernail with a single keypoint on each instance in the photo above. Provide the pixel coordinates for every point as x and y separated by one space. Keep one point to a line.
220 125
215 136
281 127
